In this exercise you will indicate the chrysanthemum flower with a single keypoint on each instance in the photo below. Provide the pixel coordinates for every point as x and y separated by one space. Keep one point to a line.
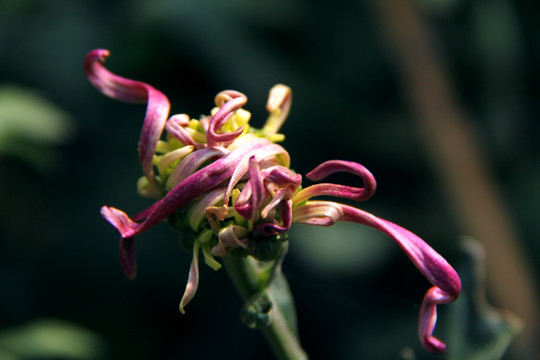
227 187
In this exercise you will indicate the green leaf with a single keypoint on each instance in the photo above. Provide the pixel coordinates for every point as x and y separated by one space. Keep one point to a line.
477 331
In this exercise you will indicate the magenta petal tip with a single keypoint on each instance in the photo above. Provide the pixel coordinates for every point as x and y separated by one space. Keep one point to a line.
434 345
119 219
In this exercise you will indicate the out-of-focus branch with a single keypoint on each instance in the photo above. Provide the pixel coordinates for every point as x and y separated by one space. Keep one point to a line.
458 160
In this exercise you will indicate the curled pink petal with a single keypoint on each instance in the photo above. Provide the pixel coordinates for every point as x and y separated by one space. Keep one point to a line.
282 176
121 221
175 126
432 265
126 254
428 318
333 166
229 101
319 213
283 194
112 85
120 88
271 229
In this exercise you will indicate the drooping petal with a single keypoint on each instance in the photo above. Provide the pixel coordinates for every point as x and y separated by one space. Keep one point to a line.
333 166
193 279
126 254
432 265
428 318
120 88
127 258
209 257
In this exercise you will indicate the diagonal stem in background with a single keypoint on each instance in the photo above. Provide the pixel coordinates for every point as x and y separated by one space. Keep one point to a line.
458 161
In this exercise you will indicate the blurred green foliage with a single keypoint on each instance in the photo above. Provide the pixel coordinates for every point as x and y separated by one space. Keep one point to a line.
58 258
49 339
30 127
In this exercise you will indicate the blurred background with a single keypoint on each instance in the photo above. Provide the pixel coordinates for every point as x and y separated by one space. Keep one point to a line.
439 99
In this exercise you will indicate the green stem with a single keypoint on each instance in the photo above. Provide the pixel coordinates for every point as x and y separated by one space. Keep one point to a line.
281 332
